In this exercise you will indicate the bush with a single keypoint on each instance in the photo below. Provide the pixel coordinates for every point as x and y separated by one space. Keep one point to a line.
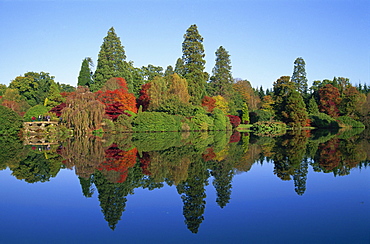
220 119
349 122
156 121
10 121
35 111
322 120
202 122
123 123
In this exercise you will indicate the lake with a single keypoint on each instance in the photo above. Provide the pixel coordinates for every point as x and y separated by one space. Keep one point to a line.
217 187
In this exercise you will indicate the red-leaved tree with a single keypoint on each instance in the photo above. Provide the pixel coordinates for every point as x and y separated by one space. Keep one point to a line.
329 100
144 98
208 103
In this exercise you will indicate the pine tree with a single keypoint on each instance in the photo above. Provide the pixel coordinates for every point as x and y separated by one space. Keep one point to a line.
84 78
111 62
221 80
299 76
194 64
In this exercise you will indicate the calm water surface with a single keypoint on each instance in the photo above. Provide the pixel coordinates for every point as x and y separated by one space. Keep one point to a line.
188 189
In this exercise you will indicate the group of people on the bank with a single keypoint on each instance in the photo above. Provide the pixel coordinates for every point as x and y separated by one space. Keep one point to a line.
41 118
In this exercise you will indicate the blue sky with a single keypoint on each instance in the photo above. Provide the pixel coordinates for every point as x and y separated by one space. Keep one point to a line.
263 37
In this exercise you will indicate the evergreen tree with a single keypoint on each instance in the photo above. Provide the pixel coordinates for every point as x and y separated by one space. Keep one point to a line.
299 76
221 80
169 71
54 98
179 67
245 114
84 78
312 106
111 62
295 113
194 64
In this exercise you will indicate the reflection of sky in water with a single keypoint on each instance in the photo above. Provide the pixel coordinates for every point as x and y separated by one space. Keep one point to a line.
262 209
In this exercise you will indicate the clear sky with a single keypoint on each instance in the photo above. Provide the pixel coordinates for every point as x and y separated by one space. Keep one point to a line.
263 37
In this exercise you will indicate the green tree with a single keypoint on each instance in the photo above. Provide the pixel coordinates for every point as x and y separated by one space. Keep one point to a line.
111 62
299 77
10 121
169 70
179 67
151 71
245 114
295 113
221 81
83 111
352 100
33 86
54 98
85 76
194 64
281 89
312 107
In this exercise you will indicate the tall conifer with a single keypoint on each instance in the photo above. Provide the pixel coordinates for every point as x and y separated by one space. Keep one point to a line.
194 64
221 80
111 62
84 78
299 76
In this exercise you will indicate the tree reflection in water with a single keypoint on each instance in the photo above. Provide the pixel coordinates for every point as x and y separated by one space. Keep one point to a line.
115 165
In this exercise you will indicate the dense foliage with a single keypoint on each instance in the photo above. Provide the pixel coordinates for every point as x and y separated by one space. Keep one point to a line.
10 122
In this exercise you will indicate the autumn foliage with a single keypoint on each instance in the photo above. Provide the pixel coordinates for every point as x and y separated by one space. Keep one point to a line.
208 103
234 120
114 94
119 161
329 100
144 98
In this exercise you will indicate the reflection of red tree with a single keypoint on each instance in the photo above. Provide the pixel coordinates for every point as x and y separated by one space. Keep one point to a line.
209 155
235 137
144 163
329 155
119 161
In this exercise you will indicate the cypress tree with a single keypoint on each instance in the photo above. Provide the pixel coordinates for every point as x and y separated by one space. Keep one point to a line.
84 78
111 62
194 64
221 80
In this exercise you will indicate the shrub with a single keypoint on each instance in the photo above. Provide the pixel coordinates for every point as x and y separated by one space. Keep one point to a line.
35 111
322 120
123 123
156 121
203 122
220 119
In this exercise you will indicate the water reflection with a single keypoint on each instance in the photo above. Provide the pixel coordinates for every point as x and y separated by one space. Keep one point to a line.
115 165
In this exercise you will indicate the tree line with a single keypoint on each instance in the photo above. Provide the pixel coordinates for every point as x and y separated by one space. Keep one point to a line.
183 96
